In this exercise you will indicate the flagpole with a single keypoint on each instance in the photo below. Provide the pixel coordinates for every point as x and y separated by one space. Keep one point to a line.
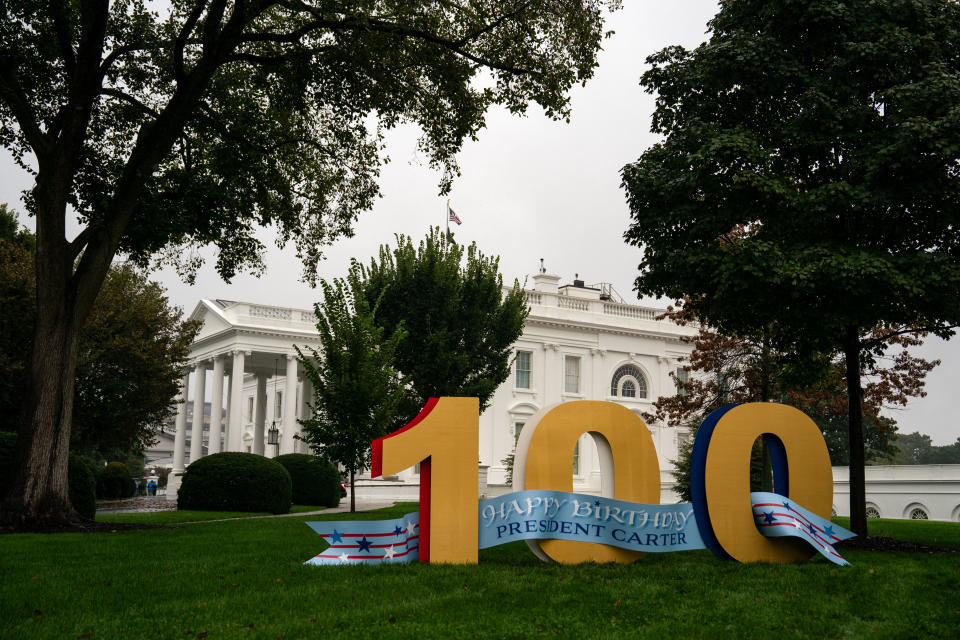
447 216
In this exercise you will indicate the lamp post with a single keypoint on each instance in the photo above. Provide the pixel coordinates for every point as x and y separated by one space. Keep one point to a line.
273 434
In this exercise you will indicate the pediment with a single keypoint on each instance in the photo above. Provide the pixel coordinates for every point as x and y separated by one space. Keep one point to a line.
212 322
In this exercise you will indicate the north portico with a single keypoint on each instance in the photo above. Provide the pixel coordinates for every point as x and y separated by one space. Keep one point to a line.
244 356
579 343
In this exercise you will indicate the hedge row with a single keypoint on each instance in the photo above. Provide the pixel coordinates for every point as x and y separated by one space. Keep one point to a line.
315 481
233 481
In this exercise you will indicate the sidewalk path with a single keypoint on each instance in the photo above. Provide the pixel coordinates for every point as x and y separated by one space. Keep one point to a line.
147 504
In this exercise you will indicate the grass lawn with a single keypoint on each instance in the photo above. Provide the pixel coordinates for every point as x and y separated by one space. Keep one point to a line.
245 579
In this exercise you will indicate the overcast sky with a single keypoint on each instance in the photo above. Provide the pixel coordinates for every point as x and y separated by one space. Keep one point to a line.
532 188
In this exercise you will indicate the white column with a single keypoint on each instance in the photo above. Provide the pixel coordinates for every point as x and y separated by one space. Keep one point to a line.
180 438
216 406
196 436
226 419
289 407
235 426
306 411
261 413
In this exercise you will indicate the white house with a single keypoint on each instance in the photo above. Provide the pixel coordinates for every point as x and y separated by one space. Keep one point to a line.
578 343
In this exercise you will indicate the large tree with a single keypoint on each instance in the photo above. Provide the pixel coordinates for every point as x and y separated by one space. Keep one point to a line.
724 369
195 127
133 350
357 390
808 177
460 324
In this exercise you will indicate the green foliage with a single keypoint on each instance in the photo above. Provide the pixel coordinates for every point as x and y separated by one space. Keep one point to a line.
133 349
807 175
260 114
807 179
17 313
83 486
918 448
357 391
235 482
509 594
133 352
161 129
460 326
315 481
114 481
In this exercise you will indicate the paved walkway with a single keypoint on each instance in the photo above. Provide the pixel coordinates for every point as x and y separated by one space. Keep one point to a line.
147 504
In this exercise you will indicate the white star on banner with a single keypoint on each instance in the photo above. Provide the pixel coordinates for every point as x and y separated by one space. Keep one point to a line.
343 557
389 553
410 528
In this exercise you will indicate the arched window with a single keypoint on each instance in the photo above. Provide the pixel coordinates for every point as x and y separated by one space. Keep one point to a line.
628 382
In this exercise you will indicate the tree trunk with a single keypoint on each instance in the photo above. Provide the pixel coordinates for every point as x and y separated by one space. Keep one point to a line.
858 487
353 492
39 494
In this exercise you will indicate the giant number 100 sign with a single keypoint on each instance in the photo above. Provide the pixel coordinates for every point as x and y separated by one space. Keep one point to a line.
444 440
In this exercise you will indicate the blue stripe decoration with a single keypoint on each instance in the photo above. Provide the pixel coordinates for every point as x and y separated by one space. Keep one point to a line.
777 516
369 541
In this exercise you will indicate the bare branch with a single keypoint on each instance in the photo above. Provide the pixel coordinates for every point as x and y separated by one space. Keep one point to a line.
61 25
382 26
116 54
129 99
183 37
77 244
866 344
11 92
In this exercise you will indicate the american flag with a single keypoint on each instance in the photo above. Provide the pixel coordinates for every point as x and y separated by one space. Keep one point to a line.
369 541
453 215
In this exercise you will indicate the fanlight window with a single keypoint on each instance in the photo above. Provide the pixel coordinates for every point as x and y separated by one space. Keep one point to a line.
628 382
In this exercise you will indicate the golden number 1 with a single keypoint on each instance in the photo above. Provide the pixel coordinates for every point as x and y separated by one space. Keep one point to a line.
444 439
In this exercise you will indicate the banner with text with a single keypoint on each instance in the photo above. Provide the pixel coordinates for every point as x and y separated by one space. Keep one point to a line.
541 514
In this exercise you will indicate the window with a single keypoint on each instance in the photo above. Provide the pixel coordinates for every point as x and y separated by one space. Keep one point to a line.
523 370
683 377
576 459
250 409
628 382
571 374
872 511
278 405
517 428
918 514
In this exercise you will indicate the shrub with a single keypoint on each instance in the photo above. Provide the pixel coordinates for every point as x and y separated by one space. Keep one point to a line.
315 481
83 486
235 482
114 481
